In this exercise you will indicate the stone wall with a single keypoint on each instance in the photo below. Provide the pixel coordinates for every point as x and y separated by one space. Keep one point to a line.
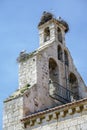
71 124
27 72
13 112
75 123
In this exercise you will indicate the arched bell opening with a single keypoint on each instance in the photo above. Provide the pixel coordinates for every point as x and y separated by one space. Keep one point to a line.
73 86
59 32
66 58
60 53
53 77
46 34
53 70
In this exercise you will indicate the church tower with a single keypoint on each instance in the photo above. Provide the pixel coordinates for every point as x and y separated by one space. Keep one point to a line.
48 77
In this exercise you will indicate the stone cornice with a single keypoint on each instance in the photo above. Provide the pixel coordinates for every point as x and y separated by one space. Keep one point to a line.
54 21
56 112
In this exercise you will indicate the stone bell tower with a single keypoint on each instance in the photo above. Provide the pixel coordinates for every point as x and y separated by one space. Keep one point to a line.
47 77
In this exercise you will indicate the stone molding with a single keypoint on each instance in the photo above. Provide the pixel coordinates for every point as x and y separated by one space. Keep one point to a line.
56 112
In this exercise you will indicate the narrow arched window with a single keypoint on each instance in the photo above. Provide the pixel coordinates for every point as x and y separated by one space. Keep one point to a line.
73 85
60 54
66 58
53 77
59 34
53 70
46 34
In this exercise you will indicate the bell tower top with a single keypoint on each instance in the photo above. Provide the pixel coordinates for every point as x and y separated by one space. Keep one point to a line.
45 18
51 29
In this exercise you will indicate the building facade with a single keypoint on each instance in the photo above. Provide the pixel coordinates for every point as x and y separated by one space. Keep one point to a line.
51 93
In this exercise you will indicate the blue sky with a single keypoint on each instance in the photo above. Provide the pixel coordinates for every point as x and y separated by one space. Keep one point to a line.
18 31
